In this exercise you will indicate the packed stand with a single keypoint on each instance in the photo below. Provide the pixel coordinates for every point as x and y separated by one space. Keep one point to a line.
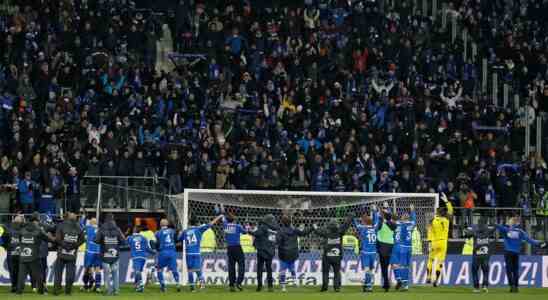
315 95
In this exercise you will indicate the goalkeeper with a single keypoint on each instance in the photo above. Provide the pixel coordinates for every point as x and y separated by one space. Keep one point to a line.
438 234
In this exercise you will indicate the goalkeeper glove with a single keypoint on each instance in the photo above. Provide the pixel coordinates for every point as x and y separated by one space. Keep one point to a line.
444 197
543 245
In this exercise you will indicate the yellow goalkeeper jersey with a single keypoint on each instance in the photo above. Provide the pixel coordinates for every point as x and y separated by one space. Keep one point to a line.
439 228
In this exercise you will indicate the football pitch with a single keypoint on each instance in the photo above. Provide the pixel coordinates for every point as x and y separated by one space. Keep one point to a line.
308 293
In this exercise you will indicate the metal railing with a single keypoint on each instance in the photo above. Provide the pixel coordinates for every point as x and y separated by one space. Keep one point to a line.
534 222
124 194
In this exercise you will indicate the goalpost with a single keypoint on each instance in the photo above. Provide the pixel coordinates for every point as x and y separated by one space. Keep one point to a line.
305 210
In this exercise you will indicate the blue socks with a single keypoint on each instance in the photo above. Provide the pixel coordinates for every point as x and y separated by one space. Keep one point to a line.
397 274
191 278
97 279
367 280
404 274
161 277
138 279
176 277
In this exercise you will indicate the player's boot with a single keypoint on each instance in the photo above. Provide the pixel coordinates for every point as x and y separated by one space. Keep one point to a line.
485 289
259 288
476 291
364 289
405 288
369 290
201 284
192 289
284 289
324 289
178 288
162 288
140 289
239 287
232 289
398 286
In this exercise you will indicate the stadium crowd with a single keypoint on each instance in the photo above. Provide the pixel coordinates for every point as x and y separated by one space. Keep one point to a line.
319 95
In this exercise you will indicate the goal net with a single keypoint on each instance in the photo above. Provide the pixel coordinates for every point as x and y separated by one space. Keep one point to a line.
305 210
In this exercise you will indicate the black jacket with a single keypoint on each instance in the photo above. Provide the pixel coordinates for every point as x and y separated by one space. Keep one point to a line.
110 238
483 236
11 239
288 242
332 235
265 237
69 237
32 235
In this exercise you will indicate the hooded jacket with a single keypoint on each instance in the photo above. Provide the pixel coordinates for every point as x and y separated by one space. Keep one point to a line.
69 237
11 239
265 237
331 236
482 236
110 238
31 237
288 242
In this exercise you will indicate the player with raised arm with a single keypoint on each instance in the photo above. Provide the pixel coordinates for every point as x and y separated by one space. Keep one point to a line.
140 250
288 249
167 254
514 236
192 238
92 258
401 253
367 232
438 235
233 232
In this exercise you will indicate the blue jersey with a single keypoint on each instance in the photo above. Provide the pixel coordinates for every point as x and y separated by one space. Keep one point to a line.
139 246
404 231
233 232
165 238
368 234
513 237
91 233
192 238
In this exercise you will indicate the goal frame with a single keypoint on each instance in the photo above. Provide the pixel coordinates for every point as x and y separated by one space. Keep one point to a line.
390 196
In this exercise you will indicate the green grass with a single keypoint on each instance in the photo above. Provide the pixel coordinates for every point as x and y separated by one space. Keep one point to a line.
309 293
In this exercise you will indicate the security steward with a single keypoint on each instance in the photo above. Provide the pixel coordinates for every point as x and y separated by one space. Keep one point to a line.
31 237
69 237
332 249
11 244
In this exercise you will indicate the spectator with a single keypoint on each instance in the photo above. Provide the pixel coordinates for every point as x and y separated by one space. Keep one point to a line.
73 191
280 83
26 194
